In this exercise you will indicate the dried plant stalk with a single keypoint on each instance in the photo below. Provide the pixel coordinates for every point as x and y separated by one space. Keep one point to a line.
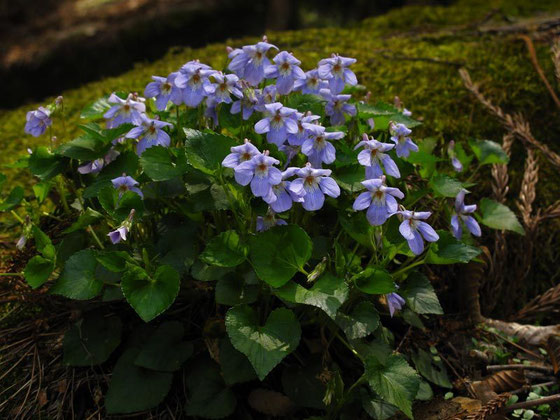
553 350
547 303
500 176
556 57
515 123
528 192
487 410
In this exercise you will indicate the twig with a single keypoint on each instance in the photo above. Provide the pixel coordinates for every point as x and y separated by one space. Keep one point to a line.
532 403
517 346
526 388
535 61
496 368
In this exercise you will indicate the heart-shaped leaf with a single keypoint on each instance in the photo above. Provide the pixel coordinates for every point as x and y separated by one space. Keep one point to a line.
361 322
328 293
420 296
279 253
92 340
37 271
206 150
394 380
265 346
498 216
374 281
78 280
225 250
150 296
160 164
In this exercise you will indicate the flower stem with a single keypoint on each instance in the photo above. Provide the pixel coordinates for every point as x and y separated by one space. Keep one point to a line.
90 230
408 267
19 219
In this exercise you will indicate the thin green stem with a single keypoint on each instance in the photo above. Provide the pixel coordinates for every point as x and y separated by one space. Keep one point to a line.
12 274
19 219
408 267
61 192
95 237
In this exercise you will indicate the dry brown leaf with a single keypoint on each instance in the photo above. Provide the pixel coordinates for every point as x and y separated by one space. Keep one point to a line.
468 404
271 403
506 380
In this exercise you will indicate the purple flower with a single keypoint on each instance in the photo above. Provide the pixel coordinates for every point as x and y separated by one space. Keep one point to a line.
374 155
240 154
456 163
224 86
20 244
261 174
36 122
337 106
124 111
118 234
406 112
317 147
250 62
404 144
461 213
126 183
150 133
395 303
413 229
268 221
303 132
164 90
193 79
286 71
336 71
277 123
96 165
267 96
284 196
246 105
379 200
290 152
313 184
312 83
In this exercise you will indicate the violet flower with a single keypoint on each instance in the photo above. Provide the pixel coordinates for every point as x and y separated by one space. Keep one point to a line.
374 155
462 212
286 70
400 136
126 183
250 61
193 80
317 147
150 133
379 200
163 89
124 111
37 121
261 174
277 123
335 70
337 107
313 184
415 230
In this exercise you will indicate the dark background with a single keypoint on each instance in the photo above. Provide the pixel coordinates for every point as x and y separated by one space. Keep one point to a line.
47 46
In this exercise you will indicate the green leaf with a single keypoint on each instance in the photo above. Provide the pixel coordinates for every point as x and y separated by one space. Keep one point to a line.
425 392
357 226
43 243
488 152
225 250
206 150
114 260
350 177
302 386
233 290
210 398
45 165
361 322
85 147
150 296
446 186
383 114
13 199
165 350
77 280
419 295
177 246
96 109
133 388
161 163
87 218
374 281
499 216
41 190
448 250
327 293
304 103
91 340
376 408
279 253
432 369
265 346
37 271
236 368
204 272
395 381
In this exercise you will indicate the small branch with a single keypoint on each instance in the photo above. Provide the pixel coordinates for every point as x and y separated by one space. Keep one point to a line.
535 61
496 368
534 386
532 403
